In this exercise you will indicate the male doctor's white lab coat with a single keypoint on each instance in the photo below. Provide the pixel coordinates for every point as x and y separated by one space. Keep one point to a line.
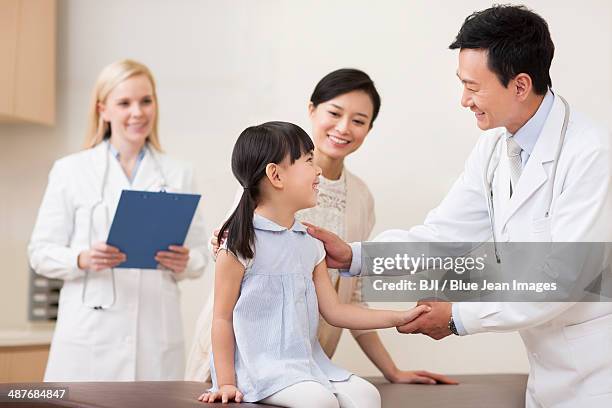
141 336
569 345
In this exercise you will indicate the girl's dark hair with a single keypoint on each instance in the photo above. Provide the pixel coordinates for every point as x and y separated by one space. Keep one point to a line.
343 81
256 147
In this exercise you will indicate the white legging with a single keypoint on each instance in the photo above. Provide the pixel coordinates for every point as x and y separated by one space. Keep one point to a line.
353 393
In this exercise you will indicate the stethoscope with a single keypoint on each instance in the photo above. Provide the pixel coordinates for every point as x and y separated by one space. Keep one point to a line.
489 175
100 203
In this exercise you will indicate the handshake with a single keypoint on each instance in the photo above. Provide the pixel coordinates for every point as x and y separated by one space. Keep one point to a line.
433 323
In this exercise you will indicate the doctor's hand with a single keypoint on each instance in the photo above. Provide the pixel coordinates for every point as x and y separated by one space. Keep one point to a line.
406 316
214 241
100 256
339 253
225 394
175 259
434 323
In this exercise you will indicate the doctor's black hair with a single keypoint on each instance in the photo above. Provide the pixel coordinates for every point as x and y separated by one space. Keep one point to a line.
256 147
342 81
517 41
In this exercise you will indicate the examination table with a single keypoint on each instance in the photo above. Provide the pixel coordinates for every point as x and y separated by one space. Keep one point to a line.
486 391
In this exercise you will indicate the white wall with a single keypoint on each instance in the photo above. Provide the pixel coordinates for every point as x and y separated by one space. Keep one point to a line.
221 66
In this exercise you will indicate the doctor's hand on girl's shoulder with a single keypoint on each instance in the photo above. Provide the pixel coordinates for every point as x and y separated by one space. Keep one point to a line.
338 253
214 241
225 394
175 259
100 256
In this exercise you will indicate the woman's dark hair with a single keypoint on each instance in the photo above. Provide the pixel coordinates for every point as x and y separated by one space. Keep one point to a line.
517 41
343 81
256 147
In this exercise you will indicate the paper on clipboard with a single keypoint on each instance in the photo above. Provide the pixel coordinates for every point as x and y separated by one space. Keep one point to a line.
147 222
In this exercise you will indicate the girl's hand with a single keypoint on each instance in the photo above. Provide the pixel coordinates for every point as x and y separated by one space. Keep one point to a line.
100 256
225 394
409 315
419 377
175 259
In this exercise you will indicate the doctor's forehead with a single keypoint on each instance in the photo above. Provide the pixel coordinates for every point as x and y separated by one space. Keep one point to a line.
473 66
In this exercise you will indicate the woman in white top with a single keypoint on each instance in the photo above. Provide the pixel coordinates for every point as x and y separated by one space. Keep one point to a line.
342 109
123 324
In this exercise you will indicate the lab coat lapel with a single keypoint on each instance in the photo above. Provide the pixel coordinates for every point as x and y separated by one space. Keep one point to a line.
99 160
117 179
146 177
114 182
535 173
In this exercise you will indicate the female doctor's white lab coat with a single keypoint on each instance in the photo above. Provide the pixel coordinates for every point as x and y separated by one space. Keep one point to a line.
141 336
569 345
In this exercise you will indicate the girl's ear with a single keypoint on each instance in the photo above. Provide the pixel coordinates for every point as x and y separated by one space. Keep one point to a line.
273 174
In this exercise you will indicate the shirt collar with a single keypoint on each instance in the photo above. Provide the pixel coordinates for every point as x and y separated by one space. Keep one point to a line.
262 223
116 153
527 136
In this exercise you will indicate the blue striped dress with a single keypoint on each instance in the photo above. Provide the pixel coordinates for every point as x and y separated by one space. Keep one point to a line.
276 315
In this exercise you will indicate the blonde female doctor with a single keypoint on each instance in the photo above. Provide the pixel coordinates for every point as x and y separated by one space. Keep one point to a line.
114 324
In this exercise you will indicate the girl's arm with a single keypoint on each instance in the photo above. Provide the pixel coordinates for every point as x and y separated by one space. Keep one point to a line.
352 316
228 277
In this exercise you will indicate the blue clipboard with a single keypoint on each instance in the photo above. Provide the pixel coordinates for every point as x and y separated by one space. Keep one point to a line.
146 222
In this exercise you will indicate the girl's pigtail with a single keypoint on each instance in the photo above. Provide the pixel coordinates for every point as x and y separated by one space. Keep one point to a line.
239 226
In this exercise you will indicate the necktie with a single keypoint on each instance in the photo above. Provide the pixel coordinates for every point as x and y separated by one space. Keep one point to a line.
516 164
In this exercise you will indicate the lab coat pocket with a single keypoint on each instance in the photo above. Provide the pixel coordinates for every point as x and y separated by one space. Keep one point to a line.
76 322
540 228
589 343
541 225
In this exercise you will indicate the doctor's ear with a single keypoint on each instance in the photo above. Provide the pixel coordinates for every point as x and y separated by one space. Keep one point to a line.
523 86
273 174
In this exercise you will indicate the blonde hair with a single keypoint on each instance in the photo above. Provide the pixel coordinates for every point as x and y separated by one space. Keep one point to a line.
111 76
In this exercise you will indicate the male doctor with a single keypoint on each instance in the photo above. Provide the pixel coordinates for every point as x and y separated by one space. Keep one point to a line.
504 60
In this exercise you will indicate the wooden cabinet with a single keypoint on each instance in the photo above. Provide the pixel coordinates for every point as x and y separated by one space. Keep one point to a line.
23 363
27 60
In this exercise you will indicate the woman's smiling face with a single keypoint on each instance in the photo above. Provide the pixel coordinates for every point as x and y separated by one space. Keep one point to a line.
340 125
130 108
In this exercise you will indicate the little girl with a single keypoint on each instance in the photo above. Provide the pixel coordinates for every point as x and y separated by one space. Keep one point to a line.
271 282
